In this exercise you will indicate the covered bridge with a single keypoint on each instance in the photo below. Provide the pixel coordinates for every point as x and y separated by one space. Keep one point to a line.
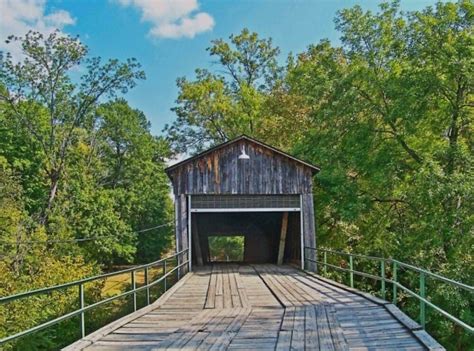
264 301
247 188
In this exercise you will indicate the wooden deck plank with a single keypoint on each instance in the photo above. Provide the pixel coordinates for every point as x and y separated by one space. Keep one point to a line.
284 340
298 337
324 331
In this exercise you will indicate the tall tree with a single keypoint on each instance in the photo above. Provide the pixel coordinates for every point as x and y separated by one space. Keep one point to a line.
223 104
135 175
49 104
391 114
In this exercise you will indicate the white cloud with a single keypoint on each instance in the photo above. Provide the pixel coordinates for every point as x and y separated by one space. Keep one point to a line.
172 18
17 17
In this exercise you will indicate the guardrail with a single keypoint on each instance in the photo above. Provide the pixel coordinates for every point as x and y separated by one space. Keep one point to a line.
181 256
395 265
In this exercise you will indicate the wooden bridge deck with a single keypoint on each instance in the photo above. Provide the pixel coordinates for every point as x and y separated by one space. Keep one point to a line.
261 307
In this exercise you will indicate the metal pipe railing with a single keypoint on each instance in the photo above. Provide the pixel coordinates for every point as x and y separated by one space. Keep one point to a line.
422 273
81 292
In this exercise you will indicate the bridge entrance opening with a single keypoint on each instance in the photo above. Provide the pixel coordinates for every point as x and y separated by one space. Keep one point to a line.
263 237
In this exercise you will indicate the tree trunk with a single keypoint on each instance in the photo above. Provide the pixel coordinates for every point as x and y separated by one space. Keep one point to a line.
453 142
54 181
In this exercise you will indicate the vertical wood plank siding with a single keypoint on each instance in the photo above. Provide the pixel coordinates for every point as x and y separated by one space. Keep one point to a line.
221 172
181 230
309 228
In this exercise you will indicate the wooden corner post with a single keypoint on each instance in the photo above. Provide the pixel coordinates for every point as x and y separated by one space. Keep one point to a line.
284 230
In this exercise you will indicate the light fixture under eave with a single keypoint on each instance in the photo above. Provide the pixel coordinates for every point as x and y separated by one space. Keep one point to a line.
243 155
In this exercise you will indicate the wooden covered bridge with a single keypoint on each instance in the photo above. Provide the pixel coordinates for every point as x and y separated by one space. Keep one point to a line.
270 299
266 301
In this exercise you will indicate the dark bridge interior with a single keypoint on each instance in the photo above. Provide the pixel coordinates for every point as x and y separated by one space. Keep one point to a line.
261 231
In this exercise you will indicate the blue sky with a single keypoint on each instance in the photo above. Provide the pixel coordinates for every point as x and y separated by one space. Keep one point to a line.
170 42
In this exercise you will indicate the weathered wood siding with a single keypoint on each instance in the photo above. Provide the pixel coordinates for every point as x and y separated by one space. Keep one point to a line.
181 229
221 172
309 229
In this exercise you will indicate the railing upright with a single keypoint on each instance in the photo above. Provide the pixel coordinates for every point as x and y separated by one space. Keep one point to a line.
351 270
147 287
134 287
164 273
422 303
178 271
382 276
325 258
81 306
394 280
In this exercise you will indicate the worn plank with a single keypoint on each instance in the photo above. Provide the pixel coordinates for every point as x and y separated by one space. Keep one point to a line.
427 340
402 317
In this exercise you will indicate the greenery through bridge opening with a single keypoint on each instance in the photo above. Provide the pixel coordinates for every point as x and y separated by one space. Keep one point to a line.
226 248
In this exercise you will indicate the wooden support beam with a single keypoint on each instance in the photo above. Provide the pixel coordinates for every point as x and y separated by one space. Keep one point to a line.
196 242
284 230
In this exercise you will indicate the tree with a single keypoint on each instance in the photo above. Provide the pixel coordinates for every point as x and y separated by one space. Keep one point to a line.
135 163
28 263
391 112
81 178
49 104
221 105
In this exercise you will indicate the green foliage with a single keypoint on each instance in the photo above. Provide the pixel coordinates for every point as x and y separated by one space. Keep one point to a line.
43 99
221 105
80 177
136 179
226 248
25 267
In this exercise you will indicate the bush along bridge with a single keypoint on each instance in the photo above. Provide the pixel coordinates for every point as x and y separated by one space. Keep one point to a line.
284 294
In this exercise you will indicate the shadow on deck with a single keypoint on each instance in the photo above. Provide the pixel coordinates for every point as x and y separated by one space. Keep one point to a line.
261 307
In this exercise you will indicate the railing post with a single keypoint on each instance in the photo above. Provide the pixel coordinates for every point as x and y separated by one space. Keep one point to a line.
189 259
422 303
394 279
82 305
134 286
325 260
164 273
178 271
382 275
147 287
351 270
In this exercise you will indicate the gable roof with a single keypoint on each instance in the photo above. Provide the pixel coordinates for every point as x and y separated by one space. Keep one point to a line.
314 168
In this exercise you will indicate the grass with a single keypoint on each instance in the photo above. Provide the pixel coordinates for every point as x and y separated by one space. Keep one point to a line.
117 284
